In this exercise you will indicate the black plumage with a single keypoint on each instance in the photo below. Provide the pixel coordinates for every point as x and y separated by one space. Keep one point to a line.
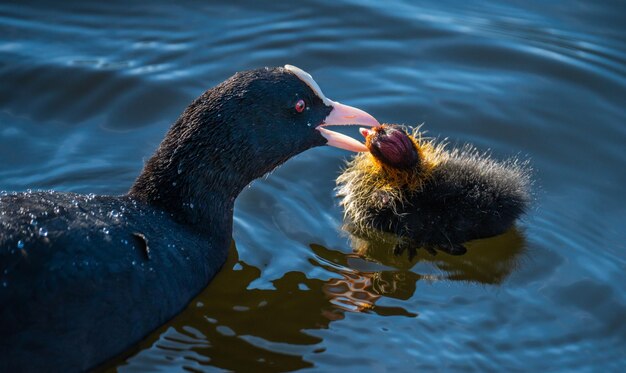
84 277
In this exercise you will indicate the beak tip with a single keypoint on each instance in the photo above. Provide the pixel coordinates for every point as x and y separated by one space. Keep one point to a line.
342 115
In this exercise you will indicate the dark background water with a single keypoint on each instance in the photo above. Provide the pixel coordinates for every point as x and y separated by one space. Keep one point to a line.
88 89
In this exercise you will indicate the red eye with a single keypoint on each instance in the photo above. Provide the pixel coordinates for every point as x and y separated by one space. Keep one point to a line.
300 105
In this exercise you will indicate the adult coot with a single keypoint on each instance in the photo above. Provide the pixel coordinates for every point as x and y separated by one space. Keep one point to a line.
438 199
83 277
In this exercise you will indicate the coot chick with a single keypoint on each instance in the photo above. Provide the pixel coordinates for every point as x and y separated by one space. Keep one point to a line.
439 199
84 277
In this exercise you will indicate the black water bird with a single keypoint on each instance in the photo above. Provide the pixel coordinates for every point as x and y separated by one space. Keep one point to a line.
83 277
436 198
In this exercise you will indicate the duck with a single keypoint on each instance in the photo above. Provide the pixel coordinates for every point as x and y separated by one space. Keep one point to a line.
83 277
431 197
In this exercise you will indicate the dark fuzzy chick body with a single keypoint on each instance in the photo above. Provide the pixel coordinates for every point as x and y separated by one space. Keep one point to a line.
467 196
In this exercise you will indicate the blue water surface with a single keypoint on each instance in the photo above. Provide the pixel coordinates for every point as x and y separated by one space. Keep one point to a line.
88 89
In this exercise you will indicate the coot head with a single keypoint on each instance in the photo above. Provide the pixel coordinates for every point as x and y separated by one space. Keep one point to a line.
238 131
277 113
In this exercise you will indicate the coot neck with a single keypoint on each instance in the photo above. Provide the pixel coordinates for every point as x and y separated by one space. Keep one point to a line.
195 174
201 198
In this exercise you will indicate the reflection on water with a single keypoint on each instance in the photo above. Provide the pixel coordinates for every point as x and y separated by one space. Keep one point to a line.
237 327
358 290
232 326
487 261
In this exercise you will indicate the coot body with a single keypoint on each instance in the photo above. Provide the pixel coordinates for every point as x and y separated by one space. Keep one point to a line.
84 277
81 283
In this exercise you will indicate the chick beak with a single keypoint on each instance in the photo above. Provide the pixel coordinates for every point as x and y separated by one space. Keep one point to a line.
344 115
365 132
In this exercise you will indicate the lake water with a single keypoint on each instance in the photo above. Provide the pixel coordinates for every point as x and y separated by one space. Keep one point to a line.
88 89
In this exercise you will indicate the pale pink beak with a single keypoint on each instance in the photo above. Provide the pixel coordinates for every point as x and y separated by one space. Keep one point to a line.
344 115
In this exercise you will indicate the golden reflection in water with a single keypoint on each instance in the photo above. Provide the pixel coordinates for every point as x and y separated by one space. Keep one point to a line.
235 327
357 290
487 261
351 292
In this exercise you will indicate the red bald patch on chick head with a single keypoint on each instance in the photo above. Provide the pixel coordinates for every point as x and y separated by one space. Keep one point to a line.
392 146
